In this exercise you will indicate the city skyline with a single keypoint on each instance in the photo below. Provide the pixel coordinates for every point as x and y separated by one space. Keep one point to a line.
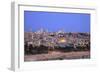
55 21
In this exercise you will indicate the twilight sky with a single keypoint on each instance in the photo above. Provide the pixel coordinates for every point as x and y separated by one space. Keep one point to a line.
55 21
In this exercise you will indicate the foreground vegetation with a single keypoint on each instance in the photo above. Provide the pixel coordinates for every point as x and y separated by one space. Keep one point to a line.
43 49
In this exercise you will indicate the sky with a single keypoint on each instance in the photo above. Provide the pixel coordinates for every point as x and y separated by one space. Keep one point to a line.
55 21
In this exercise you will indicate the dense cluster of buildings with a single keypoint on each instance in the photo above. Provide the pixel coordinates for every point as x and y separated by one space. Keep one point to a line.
54 39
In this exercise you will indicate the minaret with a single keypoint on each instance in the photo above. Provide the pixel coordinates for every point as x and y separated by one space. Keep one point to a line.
31 34
41 30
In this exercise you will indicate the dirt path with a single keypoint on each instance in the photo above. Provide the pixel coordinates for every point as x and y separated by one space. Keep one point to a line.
58 56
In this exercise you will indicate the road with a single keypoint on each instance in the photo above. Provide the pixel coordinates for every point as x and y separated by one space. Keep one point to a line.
57 56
